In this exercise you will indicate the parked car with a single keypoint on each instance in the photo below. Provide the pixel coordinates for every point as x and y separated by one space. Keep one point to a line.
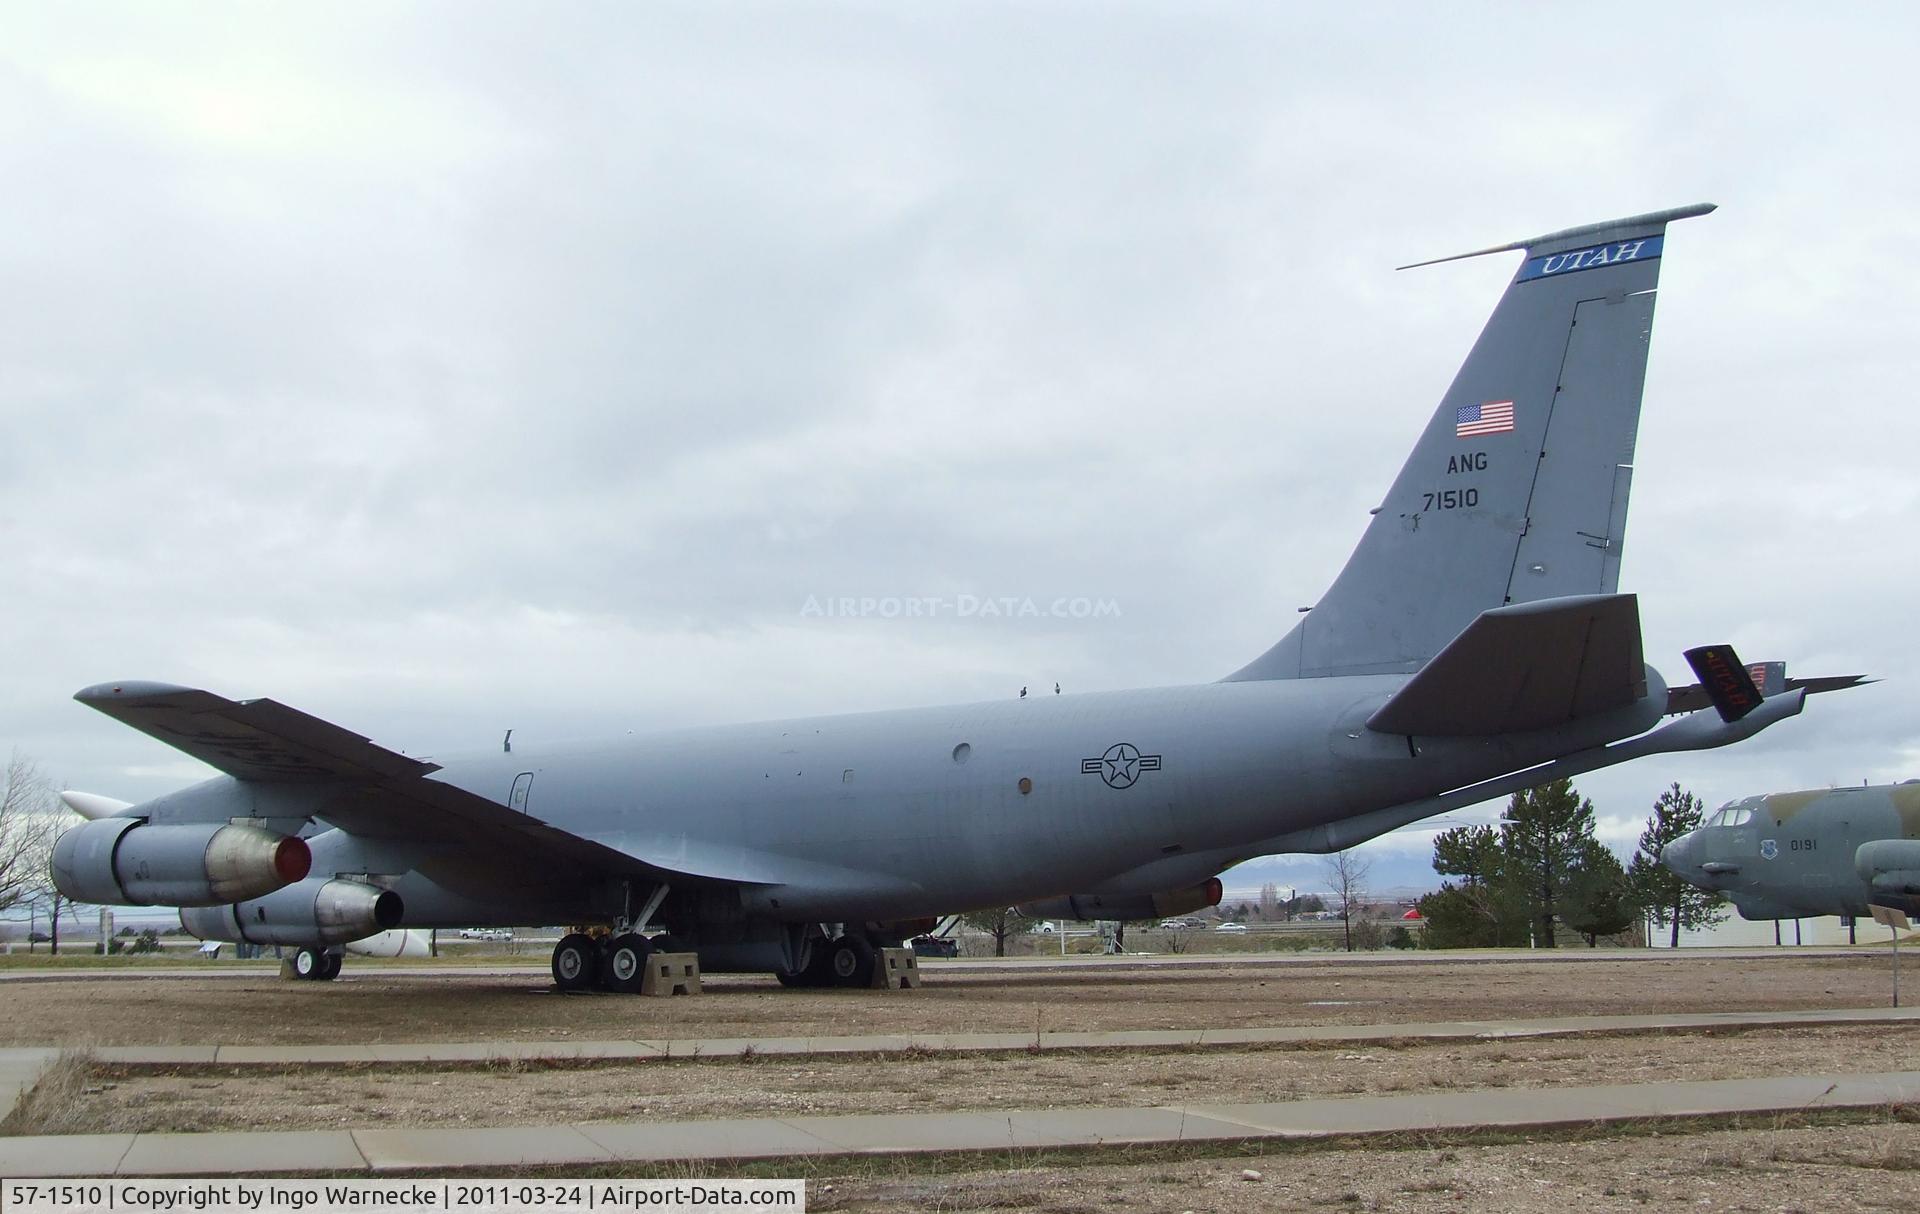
1231 927
1047 928
935 946
486 933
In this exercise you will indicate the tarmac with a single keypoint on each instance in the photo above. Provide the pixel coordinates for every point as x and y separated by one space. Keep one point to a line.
399 1150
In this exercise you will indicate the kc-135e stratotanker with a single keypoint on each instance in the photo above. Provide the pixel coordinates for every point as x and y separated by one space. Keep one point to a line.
1474 644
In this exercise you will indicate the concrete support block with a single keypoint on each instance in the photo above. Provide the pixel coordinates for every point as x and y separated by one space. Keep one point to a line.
895 969
671 974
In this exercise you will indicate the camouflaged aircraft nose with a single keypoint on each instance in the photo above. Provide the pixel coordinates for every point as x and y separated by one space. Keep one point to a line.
1678 855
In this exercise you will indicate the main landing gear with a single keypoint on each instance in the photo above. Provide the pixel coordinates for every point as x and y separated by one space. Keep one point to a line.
316 964
847 961
616 963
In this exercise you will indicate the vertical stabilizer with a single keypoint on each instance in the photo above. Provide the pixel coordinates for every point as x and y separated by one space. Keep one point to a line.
1517 490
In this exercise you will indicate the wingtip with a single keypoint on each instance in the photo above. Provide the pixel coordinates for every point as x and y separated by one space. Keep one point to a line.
131 689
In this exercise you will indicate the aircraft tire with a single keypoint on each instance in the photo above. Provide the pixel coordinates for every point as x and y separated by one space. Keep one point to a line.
330 966
576 962
849 962
624 965
665 942
810 976
309 964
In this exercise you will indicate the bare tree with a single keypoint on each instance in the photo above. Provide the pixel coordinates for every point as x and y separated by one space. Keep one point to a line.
1347 873
1172 941
28 826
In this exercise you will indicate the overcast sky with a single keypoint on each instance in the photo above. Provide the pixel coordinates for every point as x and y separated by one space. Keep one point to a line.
440 369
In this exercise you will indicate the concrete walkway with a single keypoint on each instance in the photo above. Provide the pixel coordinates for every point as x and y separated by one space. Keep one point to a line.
19 1071
536 967
386 1151
482 1052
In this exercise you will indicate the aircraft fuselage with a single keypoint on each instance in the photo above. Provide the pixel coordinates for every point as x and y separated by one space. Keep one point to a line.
905 814
1794 855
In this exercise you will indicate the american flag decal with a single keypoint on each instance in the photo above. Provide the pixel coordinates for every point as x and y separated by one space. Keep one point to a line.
1494 417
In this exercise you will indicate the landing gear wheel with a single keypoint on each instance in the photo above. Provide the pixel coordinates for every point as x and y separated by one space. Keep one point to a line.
849 962
309 964
330 966
812 974
624 967
575 961
666 943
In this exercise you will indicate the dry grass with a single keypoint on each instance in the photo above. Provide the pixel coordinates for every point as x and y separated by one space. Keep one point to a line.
65 1102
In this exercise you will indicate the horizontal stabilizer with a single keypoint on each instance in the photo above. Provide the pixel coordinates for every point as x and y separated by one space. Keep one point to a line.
249 739
1694 697
1524 667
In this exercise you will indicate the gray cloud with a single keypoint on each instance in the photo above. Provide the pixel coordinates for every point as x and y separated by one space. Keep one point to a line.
455 367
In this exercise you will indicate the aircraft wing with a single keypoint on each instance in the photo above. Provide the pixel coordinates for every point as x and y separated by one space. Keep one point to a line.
1528 666
250 739
377 793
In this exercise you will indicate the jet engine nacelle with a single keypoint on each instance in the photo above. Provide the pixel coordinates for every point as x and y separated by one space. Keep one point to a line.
1889 865
314 912
1127 906
131 862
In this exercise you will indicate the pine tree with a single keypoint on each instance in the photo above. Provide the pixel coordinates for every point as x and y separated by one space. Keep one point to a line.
1661 893
1545 835
1482 910
1471 853
1600 899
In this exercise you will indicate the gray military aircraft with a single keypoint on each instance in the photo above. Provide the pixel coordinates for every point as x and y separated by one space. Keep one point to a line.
1475 643
1792 855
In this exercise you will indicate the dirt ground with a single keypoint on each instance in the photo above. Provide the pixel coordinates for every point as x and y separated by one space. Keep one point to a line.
1862 1164
371 1007
1833 1169
230 1098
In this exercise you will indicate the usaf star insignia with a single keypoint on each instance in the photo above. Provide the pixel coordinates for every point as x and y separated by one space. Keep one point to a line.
1120 766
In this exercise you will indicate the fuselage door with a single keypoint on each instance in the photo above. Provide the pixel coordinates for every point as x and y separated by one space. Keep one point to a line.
522 785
